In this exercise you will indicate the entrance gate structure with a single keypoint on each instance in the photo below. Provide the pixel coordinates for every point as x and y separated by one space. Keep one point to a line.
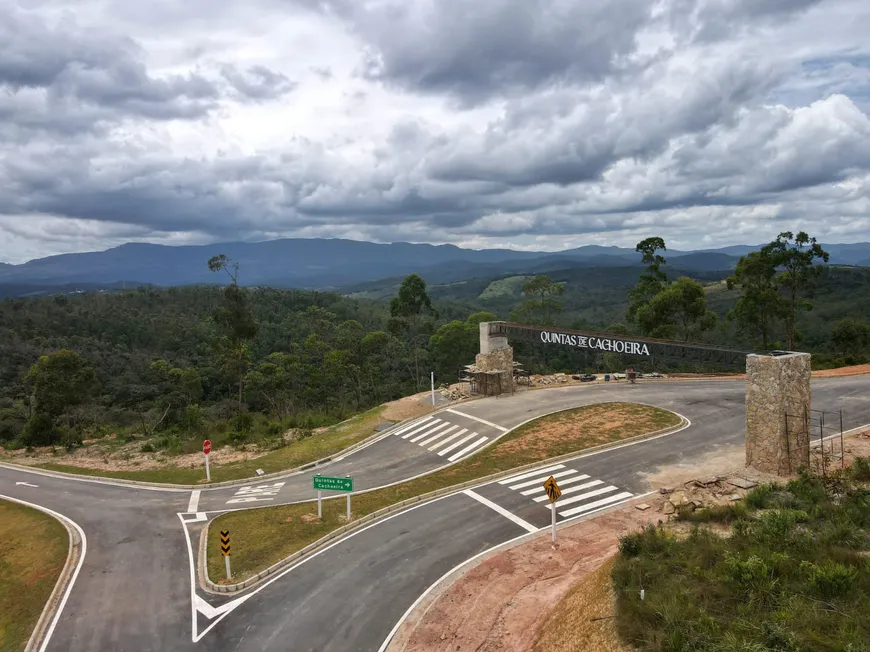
777 383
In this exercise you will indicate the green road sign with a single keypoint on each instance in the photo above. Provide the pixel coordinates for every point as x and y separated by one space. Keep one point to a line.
326 483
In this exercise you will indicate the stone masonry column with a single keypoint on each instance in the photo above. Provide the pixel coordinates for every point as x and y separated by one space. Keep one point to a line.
495 356
488 343
777 408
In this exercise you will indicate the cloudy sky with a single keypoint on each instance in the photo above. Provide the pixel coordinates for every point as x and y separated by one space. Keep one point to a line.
533 124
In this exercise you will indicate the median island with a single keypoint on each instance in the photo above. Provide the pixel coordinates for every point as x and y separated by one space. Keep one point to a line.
262 537
32 556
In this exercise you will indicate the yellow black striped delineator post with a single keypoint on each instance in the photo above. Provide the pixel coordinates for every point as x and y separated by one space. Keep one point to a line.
553 493
225 550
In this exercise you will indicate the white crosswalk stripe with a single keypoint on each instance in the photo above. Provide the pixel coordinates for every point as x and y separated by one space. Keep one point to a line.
449 439
435 435
426 433
428 441
598 503
580 492
468 449
540 480
421 428
532 473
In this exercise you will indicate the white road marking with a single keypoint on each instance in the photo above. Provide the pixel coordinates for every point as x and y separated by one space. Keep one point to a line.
426 433
562 483
573 490
416 430
193 505
457 444
212 612
471 416
68 521
27 484
256 493
529 483
450 438
546 469
467 449
413 424
501 510
426 442
597 503
589 494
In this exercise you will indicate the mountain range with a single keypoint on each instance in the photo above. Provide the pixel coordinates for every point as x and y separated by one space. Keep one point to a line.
336 263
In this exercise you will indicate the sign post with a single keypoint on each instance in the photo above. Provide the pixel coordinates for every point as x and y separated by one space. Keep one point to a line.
432 377
206 449
553 493
225 550
327 483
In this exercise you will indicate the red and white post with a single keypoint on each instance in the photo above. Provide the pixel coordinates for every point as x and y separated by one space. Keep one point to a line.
206 449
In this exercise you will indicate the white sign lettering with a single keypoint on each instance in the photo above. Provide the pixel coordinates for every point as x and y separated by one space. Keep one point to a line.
600 343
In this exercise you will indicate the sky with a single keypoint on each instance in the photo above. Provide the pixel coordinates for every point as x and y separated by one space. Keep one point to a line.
529 124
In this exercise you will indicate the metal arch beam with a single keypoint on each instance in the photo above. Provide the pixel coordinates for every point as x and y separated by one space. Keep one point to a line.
641 347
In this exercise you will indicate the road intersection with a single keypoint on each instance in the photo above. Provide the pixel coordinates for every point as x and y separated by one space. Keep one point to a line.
138 587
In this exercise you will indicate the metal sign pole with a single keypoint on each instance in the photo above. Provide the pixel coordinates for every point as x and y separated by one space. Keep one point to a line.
433 389
319 507
553 511
207 470
348 502
227 560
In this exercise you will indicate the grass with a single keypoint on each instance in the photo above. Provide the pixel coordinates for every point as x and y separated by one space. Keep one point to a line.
32 556
264 536
329 442
793 574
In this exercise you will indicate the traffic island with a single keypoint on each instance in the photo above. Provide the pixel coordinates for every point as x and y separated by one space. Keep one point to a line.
269 539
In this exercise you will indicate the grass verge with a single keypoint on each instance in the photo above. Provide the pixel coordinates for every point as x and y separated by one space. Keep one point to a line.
264 536
334 439
792 575
32 556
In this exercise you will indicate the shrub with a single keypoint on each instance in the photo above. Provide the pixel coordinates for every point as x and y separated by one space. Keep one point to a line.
829 579
861 469
716 514
758 497
147 447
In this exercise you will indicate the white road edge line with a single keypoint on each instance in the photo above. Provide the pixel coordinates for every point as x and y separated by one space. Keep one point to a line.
504 544
469 416
68 521
193 505
501 510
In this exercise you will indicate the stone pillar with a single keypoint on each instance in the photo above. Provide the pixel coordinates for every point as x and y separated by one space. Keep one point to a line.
777 410
495 357
488 343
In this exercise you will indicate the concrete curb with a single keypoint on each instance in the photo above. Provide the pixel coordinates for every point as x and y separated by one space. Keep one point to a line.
390 510
226 483
74 553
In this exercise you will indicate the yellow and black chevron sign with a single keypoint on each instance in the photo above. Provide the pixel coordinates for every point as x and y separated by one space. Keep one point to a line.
225 543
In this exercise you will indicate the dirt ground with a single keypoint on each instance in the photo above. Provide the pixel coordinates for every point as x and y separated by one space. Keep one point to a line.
501 603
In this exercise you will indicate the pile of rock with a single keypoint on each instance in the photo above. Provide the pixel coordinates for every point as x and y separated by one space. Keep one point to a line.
453 393
550 380
710 491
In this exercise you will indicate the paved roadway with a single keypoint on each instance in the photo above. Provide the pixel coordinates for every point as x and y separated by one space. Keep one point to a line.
134 591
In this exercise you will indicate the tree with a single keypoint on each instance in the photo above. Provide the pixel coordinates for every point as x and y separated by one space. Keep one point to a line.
455 344
59 381
235 320
541 303
761 305
794 256
850 337
408 308
653 281
683 307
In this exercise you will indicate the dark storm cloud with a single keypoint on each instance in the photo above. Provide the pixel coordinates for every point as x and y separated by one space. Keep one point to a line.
258 83
477 50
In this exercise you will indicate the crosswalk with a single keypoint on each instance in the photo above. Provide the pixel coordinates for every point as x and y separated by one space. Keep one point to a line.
580 493
442 437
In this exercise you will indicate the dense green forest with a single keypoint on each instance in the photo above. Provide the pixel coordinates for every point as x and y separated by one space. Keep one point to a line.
178 364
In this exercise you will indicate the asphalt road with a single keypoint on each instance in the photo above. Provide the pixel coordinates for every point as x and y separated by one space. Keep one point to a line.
134 589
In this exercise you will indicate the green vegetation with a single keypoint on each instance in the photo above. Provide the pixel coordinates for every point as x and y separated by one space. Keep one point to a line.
32 556
264 536
540 305
308 448
792 575
504 287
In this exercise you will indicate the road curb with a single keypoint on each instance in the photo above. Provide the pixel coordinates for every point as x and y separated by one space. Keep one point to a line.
67 573
226 483
369 519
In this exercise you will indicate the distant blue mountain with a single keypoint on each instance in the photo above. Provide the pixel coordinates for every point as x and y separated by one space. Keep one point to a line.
333 263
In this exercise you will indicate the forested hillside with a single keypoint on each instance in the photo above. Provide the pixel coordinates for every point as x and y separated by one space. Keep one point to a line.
195 361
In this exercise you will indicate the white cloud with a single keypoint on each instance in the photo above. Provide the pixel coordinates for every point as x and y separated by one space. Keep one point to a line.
502 123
